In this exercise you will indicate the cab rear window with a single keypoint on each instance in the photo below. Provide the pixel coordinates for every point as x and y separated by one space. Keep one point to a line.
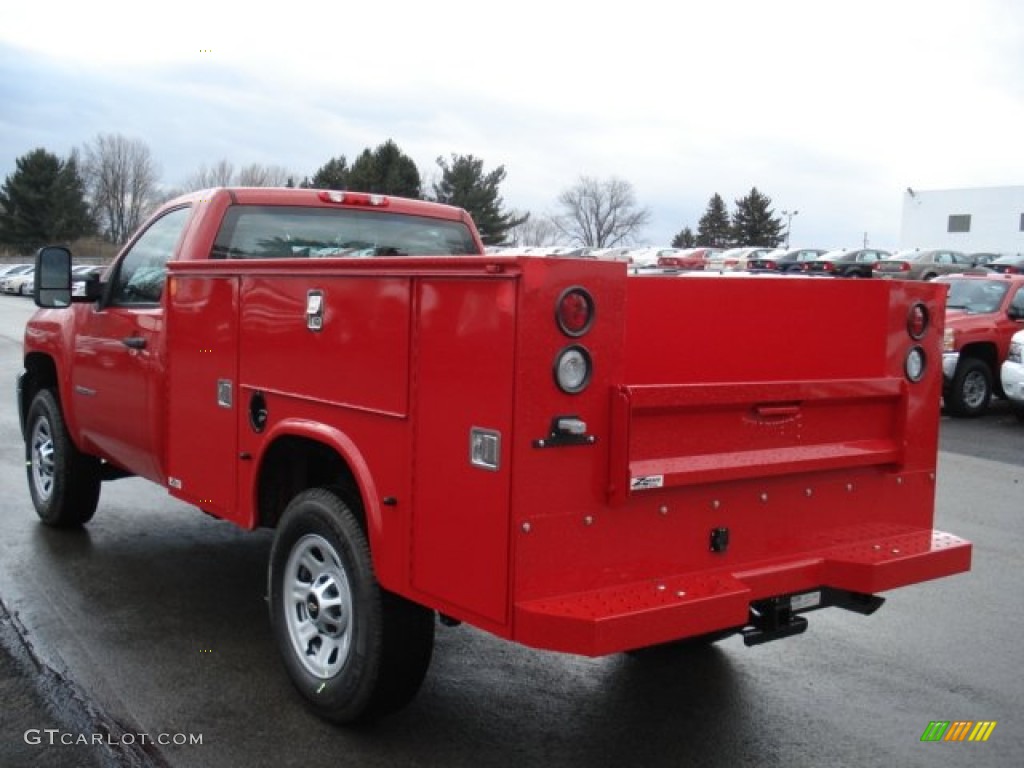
275 232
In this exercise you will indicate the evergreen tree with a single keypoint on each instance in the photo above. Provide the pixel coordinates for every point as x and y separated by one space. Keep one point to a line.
754 222
685 239
332 175
464 184
386 171
714 229
43 201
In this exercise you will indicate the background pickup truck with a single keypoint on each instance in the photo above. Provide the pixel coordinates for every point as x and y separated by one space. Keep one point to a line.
982 314
504 441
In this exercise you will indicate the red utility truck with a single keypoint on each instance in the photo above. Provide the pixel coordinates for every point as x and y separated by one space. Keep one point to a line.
511 442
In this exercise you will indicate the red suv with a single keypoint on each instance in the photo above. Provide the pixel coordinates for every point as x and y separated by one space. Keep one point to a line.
982 313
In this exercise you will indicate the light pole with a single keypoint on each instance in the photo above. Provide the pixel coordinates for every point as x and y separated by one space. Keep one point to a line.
789 223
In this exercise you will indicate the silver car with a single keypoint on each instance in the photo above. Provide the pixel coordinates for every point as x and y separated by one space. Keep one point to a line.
922 265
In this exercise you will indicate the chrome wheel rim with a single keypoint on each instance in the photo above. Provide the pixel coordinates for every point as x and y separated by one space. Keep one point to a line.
318 606
975 389
43 471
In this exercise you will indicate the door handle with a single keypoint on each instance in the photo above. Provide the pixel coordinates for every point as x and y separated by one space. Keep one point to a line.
134 342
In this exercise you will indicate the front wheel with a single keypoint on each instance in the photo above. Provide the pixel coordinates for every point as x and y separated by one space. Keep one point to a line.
63 481
969 393
353 650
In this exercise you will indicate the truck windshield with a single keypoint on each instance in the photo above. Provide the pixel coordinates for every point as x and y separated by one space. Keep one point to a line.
276 232
976 296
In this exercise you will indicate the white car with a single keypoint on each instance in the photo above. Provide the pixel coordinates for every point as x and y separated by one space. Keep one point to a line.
734 259
20 283
1012 374
9 275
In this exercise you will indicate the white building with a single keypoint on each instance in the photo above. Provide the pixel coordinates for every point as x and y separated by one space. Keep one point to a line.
986 219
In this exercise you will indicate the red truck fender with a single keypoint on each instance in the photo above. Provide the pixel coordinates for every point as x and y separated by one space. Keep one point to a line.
346 449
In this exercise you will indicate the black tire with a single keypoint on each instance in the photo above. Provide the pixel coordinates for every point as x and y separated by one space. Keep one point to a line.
354 651
63 481
970 392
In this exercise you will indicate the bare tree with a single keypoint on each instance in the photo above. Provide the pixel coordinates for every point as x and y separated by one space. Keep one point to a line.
601 214
533 231
121 177
256 175
218 175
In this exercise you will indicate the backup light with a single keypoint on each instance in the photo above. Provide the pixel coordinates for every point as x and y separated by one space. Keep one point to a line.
915 364
573 369
575 312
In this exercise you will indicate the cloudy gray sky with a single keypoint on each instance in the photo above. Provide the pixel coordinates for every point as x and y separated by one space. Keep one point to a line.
830 108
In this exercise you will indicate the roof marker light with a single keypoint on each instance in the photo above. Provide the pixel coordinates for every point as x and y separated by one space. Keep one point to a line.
353 198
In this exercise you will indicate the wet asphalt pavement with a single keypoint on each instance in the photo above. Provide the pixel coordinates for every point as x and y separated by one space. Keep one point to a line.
151 624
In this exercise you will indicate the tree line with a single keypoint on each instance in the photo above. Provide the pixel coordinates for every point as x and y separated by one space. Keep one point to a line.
752 223
109 186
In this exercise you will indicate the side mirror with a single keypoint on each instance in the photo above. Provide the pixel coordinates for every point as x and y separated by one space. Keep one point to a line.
53 277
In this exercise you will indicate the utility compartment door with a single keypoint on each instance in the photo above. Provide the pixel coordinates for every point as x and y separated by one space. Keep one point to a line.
464 350
202 438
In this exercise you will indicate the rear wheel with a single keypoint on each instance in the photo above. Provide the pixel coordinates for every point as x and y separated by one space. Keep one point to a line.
353 650
63 481
969 393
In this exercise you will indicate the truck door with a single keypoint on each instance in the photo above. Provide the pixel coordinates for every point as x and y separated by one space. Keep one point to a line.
117 376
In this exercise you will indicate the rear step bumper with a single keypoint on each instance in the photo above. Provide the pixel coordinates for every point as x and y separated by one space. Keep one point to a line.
653 611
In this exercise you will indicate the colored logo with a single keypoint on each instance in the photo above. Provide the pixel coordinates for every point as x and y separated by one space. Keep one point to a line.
958 730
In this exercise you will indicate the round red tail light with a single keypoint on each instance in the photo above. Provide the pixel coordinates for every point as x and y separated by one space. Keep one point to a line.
917 321
575 312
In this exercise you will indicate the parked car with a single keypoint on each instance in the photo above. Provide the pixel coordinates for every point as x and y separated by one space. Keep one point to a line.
792 260
646 257
1012 374
610 254
8 269
82 273
922 265
843 263
983 259
13 270
983 312
15 280
687 258
1013 265
734 259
